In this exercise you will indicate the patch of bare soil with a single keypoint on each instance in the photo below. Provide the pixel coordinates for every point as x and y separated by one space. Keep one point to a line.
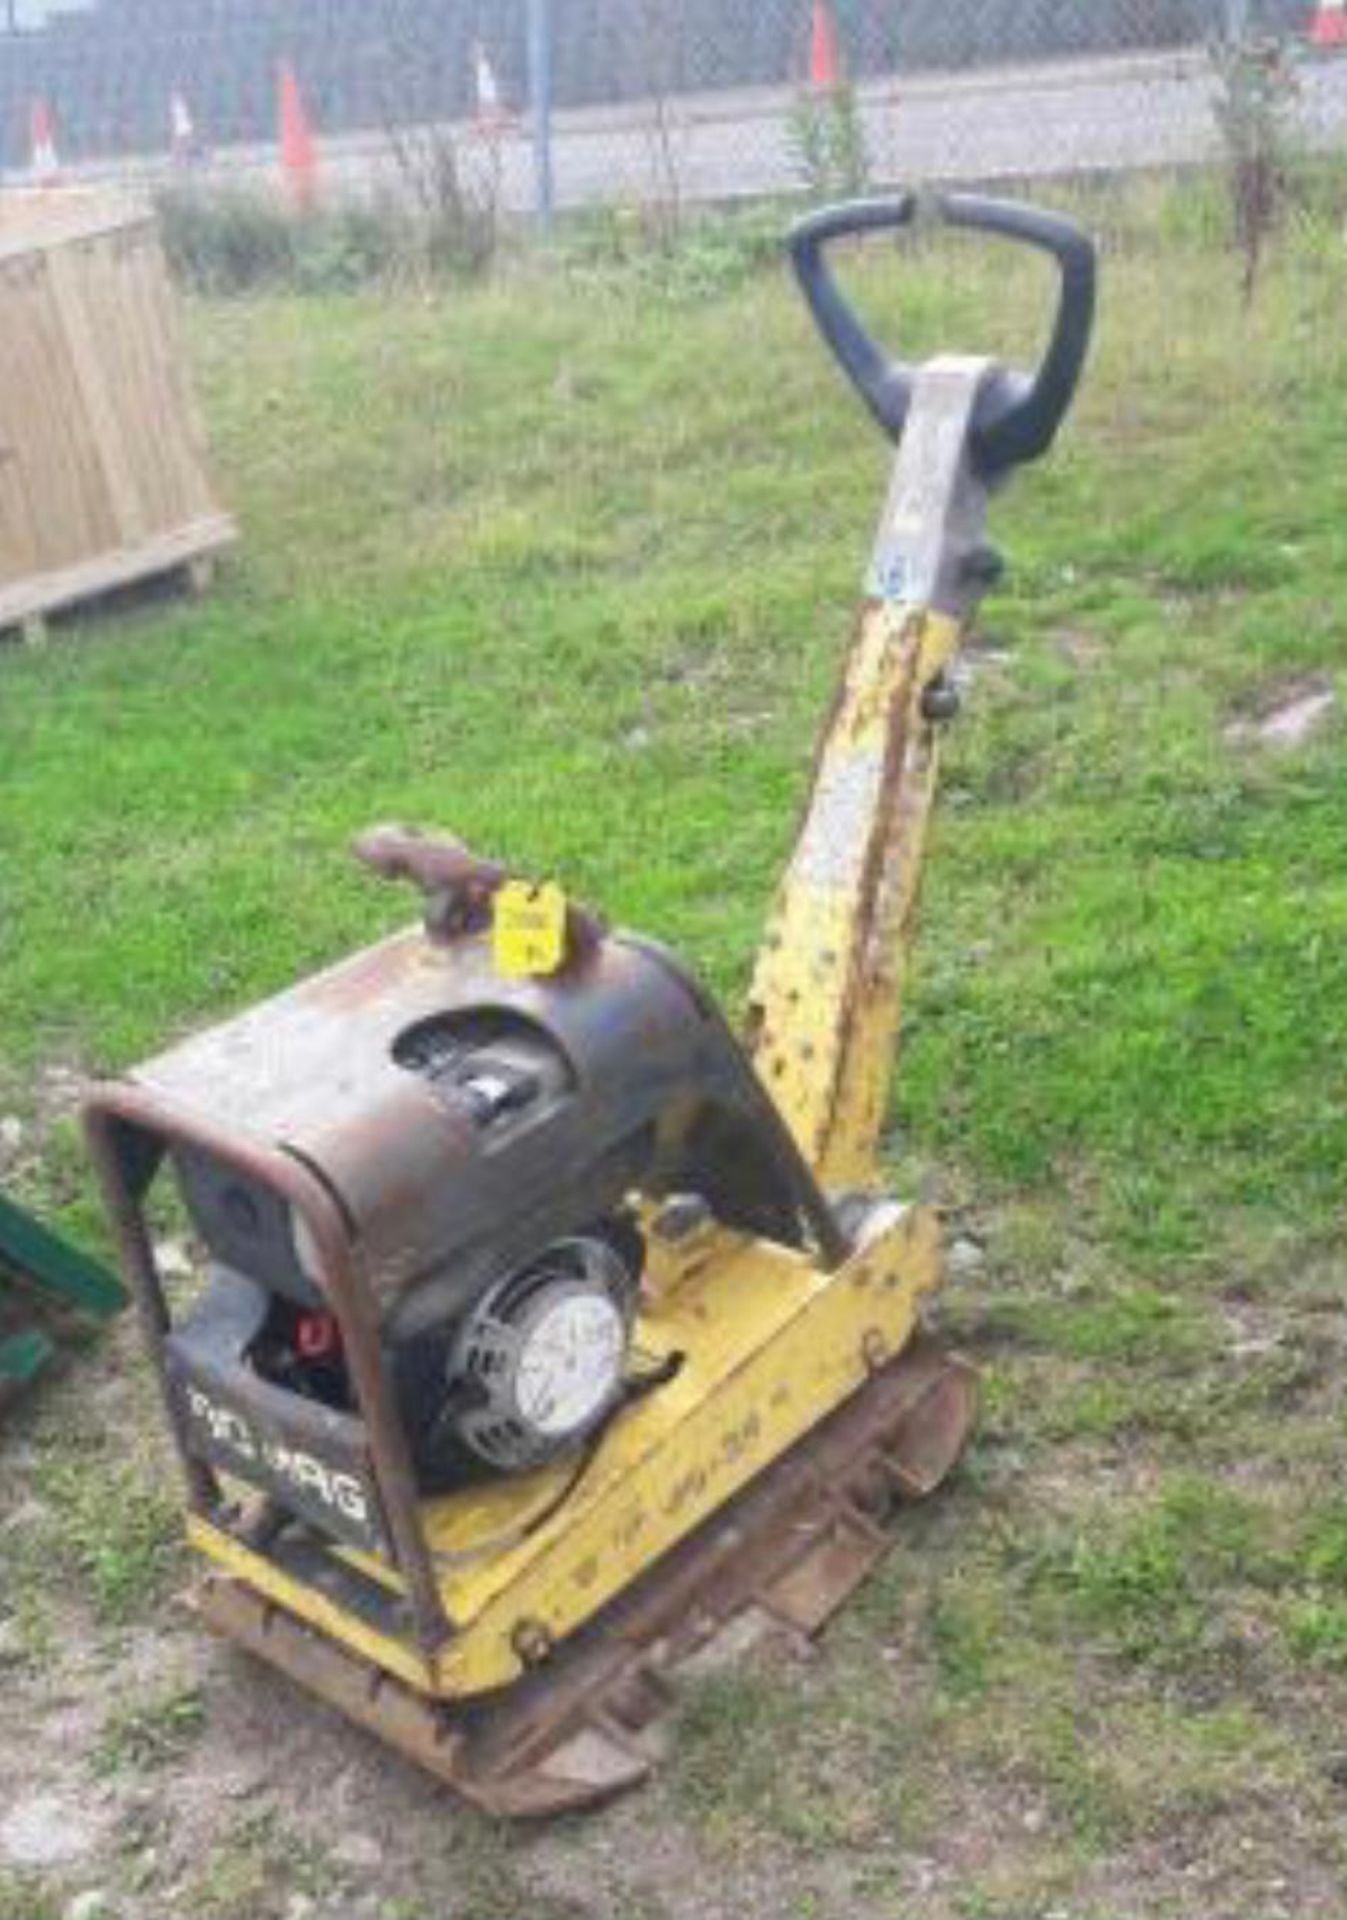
1286 715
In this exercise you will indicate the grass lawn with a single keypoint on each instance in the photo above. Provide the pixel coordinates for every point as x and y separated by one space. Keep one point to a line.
565 566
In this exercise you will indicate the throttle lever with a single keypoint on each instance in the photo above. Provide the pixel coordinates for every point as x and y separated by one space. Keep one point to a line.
458 886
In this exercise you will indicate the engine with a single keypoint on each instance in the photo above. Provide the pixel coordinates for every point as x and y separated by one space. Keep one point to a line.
486 1143
524 1374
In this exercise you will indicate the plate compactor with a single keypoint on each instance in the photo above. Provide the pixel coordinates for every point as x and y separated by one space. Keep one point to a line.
551 1333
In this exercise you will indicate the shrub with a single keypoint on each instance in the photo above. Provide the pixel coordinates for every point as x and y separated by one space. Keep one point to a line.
227 242
238 241
710 254
1254 107
827 143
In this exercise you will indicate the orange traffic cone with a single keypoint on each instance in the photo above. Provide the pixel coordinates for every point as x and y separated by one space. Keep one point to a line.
825 68
45 164
1329 27
299 149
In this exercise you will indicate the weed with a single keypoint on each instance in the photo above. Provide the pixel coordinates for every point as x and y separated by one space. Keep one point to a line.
255 1871
232 241
114 1527
222 242
826 135
1122 1324
143 1735
1314 1614
452 178
1134 1584
966 1629
1322 1548
711 254
1317 1629
813 1766
24 1897
1148 1580
1257 96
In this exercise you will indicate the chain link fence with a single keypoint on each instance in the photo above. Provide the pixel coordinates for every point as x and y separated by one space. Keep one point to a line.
647 102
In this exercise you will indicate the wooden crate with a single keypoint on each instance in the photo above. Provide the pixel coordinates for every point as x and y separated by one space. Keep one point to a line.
103 474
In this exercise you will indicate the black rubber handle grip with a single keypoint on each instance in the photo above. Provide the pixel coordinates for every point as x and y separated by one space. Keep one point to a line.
885 385
1017 415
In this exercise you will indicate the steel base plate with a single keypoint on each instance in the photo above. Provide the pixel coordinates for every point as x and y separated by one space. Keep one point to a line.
586 1724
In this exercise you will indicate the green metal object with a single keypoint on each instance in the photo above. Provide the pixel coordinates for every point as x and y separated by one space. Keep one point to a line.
22 1358
31 1253
35 1262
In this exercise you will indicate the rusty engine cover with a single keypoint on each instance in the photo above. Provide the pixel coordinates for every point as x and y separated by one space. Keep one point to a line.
620 1073
466 1125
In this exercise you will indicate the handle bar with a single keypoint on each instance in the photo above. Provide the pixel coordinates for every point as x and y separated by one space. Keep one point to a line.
1017 415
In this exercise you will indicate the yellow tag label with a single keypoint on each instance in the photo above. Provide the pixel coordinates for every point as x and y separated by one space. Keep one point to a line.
528 929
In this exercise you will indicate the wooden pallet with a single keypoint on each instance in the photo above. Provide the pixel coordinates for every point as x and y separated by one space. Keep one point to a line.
188 555
104 479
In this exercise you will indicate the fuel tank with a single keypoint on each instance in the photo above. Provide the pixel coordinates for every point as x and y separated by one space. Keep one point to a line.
461 1120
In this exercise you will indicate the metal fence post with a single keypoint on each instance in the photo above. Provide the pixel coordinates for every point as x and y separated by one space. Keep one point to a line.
540 106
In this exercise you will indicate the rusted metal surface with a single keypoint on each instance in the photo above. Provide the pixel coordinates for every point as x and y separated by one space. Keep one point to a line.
128 1130
402 1207
826 997
458 885
585 1725
644 1086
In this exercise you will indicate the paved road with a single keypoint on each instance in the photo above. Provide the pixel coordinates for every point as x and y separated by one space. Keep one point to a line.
1023 122
1067 116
